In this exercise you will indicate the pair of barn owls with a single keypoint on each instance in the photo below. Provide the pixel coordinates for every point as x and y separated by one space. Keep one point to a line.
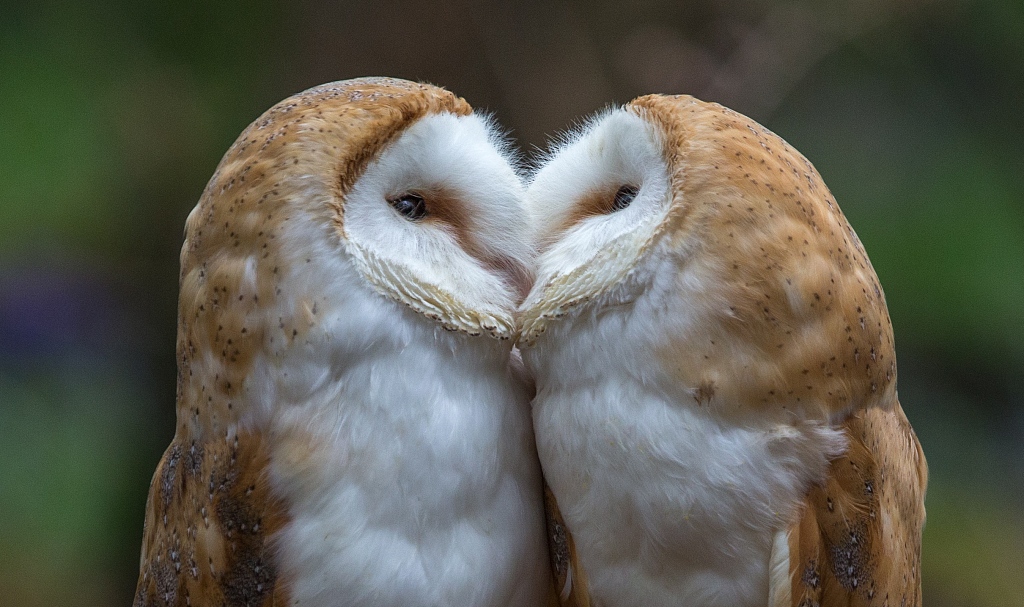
707 374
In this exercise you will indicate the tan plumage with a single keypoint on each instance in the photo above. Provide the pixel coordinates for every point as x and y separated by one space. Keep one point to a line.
789 327
210 514
267 238
208 519
858 537
857 540
570 579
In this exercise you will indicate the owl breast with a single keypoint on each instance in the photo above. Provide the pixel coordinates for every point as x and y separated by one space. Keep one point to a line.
669 473
406 458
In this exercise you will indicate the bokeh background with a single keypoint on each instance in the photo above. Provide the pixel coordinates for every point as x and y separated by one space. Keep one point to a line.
114 113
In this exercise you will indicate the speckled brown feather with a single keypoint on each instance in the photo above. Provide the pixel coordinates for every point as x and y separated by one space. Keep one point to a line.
209 518
801 317
570 580
858 537
211 514
329 133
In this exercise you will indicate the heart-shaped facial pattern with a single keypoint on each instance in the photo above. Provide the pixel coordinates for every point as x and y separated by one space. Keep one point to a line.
715 404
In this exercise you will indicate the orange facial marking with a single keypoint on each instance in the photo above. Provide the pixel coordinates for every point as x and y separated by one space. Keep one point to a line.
446 210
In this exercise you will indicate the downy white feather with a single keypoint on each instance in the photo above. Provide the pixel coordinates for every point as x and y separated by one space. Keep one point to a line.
403 449
669 502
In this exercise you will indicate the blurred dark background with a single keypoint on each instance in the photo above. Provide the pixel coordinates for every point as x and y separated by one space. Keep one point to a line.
113 114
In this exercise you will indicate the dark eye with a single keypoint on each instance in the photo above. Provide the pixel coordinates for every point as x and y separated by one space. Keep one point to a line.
410 205
624 196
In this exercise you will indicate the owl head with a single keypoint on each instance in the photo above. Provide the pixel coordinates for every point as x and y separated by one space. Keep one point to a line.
351 216
711 256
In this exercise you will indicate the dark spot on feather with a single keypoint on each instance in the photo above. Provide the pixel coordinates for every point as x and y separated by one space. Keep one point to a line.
194 458
811 577
850 564
168 474
704 392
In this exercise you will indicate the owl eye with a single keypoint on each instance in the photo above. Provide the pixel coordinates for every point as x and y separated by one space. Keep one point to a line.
410 205
624 196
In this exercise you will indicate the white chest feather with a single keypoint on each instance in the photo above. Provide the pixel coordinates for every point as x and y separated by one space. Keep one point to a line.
407 462
669 502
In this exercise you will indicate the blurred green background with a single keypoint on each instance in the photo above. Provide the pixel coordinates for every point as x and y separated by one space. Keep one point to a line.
113 114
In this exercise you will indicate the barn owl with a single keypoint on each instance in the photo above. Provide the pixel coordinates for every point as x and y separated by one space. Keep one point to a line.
716 410
350 429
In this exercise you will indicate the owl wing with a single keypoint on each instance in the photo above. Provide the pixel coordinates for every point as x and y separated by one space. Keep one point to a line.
857 539
209 520
570 580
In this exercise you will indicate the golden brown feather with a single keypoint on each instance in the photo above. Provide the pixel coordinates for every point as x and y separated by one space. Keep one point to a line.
211 515
858 538
805 322
329 133
797 312
210 518
570 580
